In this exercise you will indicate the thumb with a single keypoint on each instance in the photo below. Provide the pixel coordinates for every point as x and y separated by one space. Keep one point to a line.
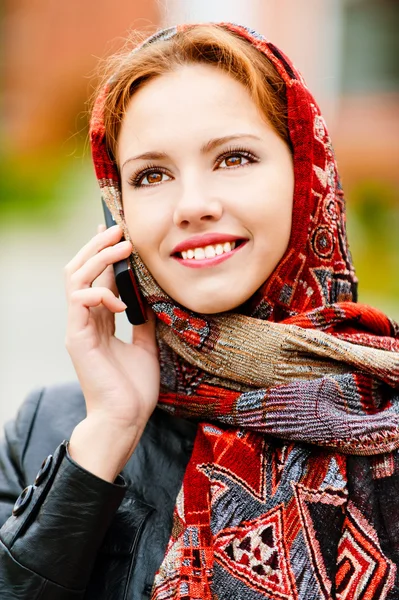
144 335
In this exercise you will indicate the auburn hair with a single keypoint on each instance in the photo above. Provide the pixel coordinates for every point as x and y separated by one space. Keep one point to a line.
210 44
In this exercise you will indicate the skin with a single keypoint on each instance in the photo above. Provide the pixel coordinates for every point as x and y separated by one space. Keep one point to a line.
197 193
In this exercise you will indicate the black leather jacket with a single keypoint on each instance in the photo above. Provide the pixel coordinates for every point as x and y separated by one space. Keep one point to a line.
74 536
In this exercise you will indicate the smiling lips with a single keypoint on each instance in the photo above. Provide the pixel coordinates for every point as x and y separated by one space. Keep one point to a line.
207 250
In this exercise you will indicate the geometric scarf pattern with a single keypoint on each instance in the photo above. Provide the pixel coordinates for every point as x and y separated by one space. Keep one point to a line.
292 490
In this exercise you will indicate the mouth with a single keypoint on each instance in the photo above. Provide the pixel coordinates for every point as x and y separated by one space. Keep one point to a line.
209 255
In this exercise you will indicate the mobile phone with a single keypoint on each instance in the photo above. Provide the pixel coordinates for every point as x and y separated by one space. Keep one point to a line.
126 282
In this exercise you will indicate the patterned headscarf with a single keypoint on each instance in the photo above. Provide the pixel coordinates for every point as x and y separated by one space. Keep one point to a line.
270 505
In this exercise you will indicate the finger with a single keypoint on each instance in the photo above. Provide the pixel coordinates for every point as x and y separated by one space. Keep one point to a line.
81 301
103 239
107 279
96 265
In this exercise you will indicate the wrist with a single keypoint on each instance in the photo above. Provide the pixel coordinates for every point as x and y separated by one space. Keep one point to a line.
102 447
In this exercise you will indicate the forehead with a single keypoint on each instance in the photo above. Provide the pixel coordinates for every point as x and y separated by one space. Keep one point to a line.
191 102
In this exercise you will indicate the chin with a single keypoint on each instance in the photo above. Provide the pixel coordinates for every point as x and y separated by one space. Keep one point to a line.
207 307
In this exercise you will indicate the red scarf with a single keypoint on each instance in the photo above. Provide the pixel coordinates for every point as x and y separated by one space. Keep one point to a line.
292 490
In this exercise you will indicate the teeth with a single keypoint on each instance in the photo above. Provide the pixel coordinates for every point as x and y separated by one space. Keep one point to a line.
208 251
199 253
226 247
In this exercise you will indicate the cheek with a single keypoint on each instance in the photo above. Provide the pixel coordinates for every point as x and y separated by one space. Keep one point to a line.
267 205
147 225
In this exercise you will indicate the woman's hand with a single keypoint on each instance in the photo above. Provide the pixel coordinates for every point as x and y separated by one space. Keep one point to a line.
120 381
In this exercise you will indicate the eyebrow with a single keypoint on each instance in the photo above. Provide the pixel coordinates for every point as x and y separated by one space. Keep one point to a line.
205 148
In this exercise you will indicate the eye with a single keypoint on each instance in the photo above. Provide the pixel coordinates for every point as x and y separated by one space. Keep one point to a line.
236 158
149 177
153 177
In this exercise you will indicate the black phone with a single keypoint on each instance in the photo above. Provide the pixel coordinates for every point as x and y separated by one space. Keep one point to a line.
126 282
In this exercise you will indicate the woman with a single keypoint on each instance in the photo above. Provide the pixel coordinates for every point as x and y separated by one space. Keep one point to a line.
269 468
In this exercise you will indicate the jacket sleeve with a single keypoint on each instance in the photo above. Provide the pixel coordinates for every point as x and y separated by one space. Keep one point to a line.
52 527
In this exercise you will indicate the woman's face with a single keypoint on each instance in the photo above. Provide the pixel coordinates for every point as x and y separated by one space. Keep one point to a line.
207 187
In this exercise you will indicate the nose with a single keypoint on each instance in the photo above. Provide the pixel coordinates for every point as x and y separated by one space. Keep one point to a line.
195 206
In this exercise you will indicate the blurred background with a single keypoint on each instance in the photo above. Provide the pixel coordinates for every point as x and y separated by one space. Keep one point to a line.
49 201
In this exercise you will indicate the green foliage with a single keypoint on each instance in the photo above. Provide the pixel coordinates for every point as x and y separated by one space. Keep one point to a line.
373 229
34 186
